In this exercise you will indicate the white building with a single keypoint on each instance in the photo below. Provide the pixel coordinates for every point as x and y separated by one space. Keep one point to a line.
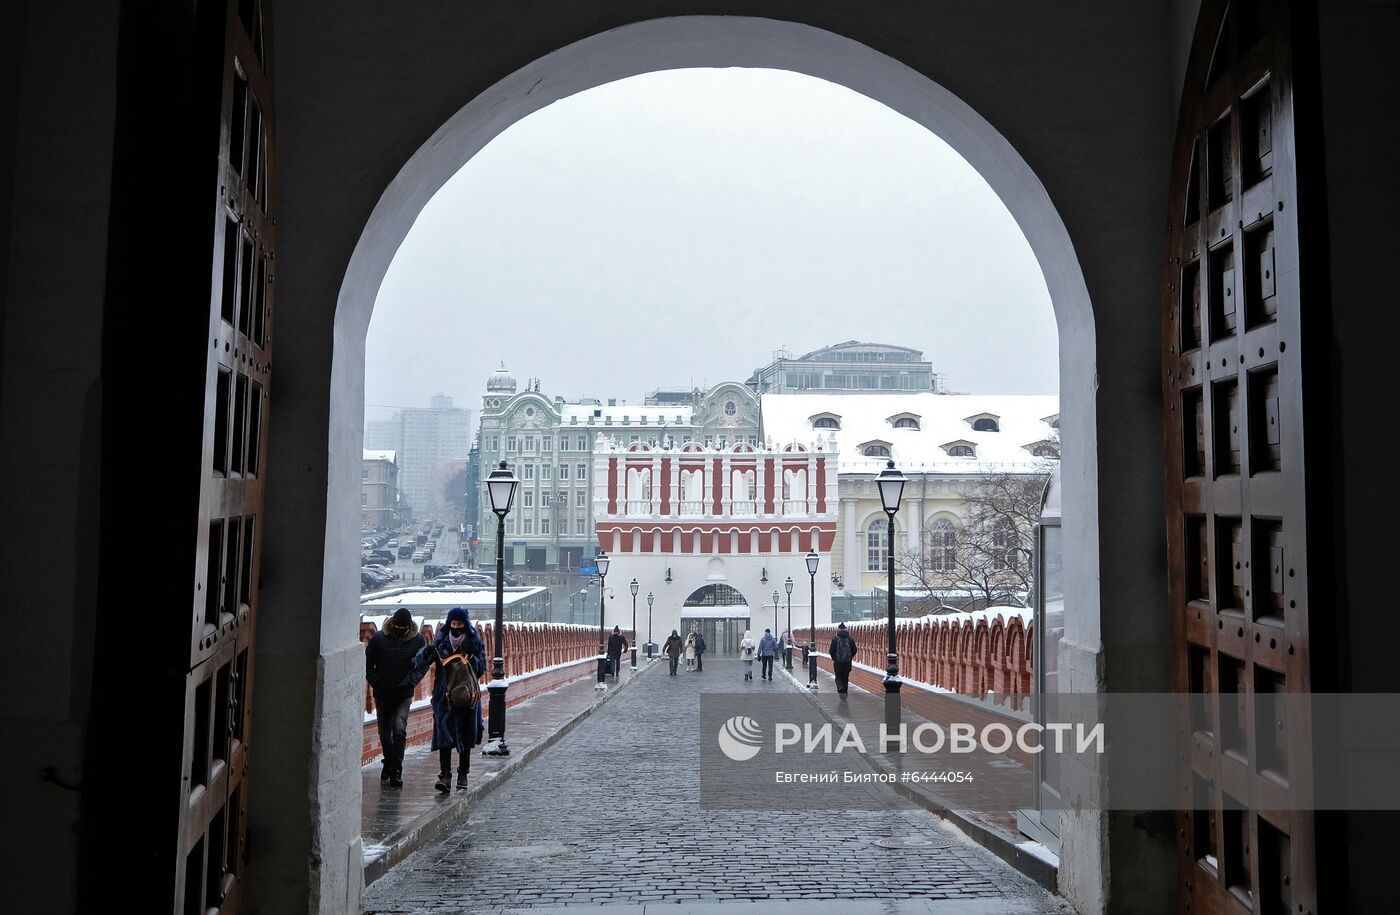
713 532
944 443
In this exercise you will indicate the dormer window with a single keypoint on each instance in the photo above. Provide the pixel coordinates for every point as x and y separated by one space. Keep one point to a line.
826 421
904 421
1044 449
984 422
960 449
875 449
1053 420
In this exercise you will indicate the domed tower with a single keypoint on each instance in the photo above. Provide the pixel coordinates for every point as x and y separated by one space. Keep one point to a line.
501 382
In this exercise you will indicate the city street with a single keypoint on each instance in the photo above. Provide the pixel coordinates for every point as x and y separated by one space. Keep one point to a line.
611 816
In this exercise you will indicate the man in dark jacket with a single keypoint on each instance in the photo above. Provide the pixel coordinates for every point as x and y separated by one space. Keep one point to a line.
617 642
454 727
388 663
843 652
672 649
699 651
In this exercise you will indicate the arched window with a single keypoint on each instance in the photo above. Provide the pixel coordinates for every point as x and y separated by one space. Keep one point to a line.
1004 552
1045 451
826 422
877 451
877 546
942 546
962 451
985 424
905 422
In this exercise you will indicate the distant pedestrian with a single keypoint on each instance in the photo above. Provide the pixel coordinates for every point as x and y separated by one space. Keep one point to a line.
843 652
747 650
460 659
389 658
690 650
767 647
699 650
785 648
617 642
672 650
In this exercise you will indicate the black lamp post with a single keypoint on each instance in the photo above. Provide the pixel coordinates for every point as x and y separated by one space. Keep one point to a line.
634 587
787 654
891 482
650 599
776 630
500 486
602 562
812 560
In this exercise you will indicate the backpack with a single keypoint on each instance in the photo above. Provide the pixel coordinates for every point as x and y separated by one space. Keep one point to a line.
461 687
841 650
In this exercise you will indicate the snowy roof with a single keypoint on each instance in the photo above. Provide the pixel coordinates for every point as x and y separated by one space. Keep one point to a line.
580 414
943 420
380 456
427 599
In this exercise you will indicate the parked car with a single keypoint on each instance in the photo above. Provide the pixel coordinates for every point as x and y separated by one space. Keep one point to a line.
386 555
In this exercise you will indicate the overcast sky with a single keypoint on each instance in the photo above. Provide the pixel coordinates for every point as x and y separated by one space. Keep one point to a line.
677 228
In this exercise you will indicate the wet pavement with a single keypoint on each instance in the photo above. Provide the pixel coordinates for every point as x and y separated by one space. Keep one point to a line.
609 816
395 821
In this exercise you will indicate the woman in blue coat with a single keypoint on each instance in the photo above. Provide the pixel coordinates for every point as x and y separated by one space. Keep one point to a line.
453 727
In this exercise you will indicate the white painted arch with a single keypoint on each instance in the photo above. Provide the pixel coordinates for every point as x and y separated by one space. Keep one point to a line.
735 41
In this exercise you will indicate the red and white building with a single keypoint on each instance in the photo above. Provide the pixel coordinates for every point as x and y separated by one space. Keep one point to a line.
713 532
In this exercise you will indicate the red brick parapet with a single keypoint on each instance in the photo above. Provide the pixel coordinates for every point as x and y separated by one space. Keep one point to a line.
539 657
963 655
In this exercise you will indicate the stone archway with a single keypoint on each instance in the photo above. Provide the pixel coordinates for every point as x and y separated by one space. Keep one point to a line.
607 56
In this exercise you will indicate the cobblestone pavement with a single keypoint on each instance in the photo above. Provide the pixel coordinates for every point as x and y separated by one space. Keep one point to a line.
611 816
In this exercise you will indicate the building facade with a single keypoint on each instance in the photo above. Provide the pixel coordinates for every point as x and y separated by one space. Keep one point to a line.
712 532
549 443
851 366
949 446
379 490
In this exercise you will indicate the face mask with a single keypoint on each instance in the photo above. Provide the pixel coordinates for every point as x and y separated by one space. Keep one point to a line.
457 633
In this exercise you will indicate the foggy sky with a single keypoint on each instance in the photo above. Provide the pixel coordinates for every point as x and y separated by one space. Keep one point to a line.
676 228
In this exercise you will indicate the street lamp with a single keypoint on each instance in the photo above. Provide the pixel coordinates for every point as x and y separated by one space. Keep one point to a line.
787 655
501 486
602 562
776 630
891 482
812 560
634 587
650 598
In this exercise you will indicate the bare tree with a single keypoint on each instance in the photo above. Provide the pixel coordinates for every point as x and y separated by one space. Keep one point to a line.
988 558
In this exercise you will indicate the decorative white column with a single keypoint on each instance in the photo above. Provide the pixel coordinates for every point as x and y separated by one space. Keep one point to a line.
759 472
811 484
850 560
914 524
655 485
726 503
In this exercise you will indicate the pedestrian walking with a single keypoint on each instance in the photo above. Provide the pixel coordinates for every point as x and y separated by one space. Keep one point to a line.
747 650
690 650
699 651
459 659
672 650
767 648
843 652
617 643
389 658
